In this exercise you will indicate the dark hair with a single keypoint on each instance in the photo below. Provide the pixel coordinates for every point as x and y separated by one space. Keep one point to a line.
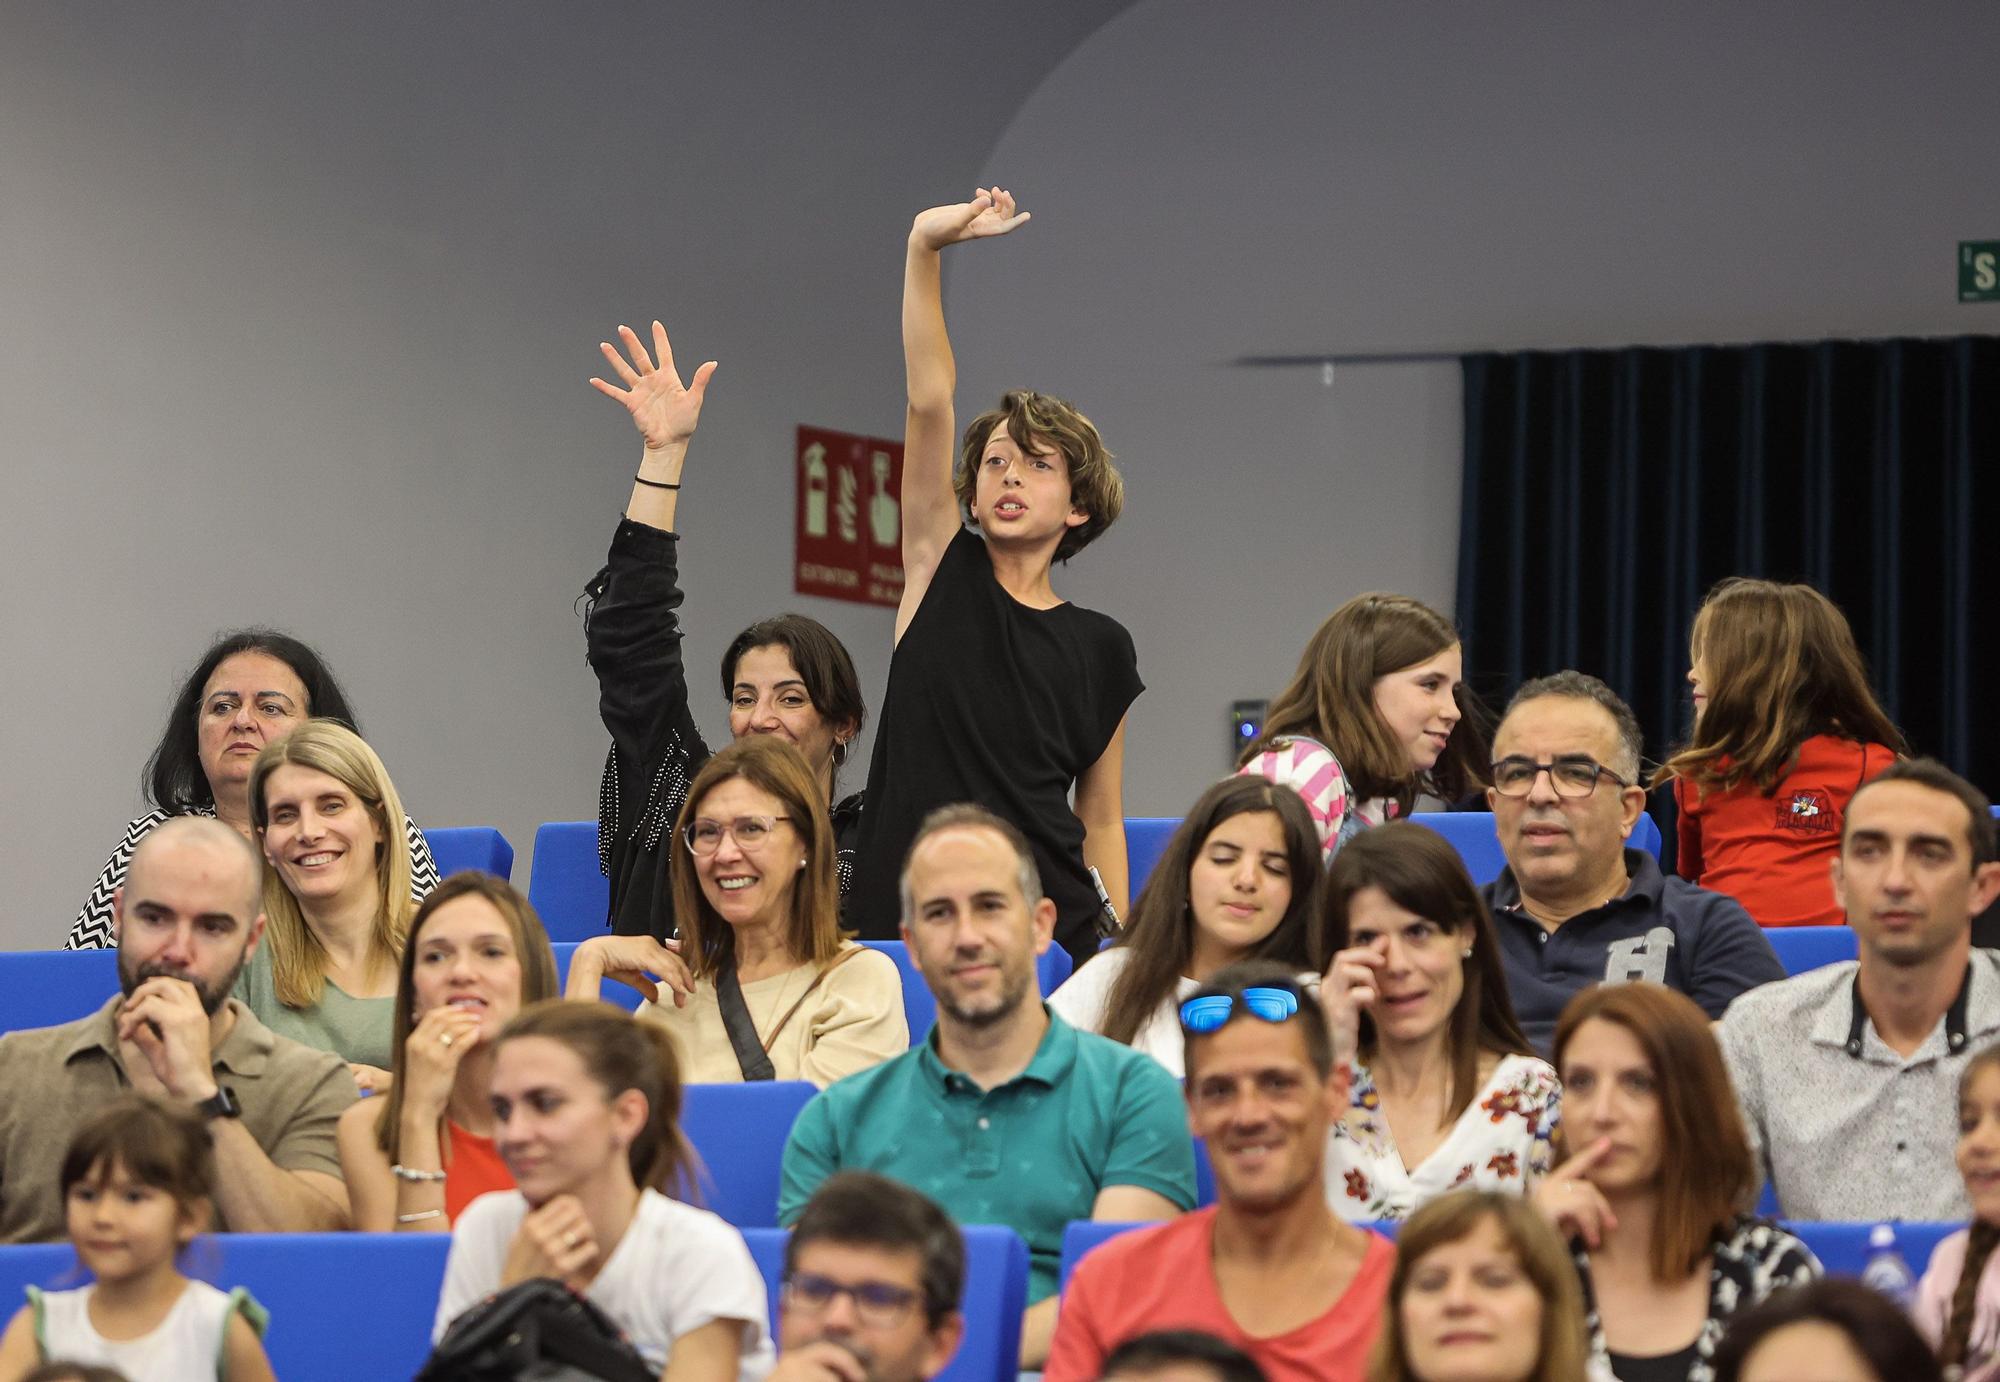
1581 686
173 779
531 949
1331 698
1980 1240
160 1145
863 1209
820 659
1980 834
1875 1328
1040 423
1163 1348
1249 974
966 815
60 1371
1420 872
1159 939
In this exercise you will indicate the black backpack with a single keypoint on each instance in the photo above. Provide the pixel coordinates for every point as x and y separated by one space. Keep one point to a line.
537 1331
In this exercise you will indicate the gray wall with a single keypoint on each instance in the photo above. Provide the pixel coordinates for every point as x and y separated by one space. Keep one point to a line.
299 302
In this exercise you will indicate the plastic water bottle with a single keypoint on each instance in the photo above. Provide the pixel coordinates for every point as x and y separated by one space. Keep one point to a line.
1886 1271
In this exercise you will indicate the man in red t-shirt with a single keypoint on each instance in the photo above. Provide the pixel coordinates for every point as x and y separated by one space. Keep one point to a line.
1269 1268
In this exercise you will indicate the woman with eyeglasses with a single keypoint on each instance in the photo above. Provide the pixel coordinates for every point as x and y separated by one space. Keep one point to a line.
761 984
1447 1094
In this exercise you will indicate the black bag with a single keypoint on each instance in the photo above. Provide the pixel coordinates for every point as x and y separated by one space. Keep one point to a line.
537 1331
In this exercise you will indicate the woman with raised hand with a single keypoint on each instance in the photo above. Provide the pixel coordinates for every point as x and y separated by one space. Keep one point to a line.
1655 1185
1000 692
248 690
416 1157
787 676
1446 1092
764 986
586 1109
1239 880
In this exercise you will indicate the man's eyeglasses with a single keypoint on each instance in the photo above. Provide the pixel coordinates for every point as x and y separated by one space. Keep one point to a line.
878 1304
1571 777
1211 1010
750 832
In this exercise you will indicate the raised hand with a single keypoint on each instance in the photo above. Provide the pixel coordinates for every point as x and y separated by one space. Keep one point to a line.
555 1240
637 961
1568 1199
990 212
431 1056
1350 988
663 409
163 1033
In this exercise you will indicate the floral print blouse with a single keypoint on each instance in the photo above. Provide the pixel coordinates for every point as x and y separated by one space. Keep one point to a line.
1501 1142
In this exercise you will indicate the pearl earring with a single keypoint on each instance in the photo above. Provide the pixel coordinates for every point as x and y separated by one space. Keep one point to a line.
1466 953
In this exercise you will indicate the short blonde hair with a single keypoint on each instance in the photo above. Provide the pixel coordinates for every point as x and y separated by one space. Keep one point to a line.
1038 423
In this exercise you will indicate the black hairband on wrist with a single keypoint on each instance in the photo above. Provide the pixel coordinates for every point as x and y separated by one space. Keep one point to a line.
655 484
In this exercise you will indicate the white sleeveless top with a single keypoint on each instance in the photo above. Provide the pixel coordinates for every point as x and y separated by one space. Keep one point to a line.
186 1347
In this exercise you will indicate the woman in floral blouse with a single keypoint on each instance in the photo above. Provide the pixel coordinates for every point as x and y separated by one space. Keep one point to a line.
1653 1189
1446 1091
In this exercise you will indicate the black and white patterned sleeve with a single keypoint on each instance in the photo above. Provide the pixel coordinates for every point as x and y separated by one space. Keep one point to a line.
423 868
92 928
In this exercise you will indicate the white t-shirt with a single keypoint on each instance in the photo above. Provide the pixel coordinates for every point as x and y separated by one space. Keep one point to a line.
676 1269
1080 1000
186 1346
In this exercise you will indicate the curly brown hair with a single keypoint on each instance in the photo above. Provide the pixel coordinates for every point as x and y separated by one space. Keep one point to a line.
1038 424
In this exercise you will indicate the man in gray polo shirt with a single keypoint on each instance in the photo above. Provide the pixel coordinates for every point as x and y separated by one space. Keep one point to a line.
1848 1074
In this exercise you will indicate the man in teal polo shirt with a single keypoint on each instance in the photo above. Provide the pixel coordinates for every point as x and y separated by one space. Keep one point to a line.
1006 1115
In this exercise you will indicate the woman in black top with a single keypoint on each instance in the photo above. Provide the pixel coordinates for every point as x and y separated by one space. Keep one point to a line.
787 676
999 692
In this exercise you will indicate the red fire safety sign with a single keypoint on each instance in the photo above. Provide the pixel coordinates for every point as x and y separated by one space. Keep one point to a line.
849 533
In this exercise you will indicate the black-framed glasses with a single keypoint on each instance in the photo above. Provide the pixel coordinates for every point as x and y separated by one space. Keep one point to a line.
1210 1011
878 1304
1574 775
704 836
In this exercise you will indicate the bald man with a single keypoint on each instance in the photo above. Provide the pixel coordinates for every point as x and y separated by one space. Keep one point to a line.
187 920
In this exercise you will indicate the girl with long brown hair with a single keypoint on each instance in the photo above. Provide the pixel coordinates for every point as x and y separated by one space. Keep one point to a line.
1958 1300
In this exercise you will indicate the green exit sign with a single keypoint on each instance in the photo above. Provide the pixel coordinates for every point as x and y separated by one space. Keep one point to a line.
1979 270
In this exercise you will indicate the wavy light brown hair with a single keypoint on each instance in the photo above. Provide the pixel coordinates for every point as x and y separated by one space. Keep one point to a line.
1980 1242
1040 423
1781 666
298 960
812 933
1562 1356
1707 1174
1331 698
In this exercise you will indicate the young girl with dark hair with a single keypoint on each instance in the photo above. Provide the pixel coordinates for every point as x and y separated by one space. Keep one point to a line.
1830 1330
1239 880
1786 730
1958 1300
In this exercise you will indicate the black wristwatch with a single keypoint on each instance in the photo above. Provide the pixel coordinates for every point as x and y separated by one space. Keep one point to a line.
221 1104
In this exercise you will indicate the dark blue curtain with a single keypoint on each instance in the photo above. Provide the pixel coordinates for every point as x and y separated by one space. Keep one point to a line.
1605 491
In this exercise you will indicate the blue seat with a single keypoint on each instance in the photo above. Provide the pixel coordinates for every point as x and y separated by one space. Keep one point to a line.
376 1324
1842 1248
1801 948
920 1009
570 895
996 1292
457 848
1473 835
740 1132
1145 841
45 987
610 990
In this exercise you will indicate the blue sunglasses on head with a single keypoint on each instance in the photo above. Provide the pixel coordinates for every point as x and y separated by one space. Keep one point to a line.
1210 1011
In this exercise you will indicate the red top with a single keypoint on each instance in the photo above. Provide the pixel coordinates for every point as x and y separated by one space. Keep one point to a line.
472 1167
1772 852
1164 1278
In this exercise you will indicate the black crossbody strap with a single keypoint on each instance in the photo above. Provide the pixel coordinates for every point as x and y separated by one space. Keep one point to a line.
751 1057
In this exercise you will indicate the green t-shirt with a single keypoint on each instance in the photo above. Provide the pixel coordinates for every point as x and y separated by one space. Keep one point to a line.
1030 1154
355 1029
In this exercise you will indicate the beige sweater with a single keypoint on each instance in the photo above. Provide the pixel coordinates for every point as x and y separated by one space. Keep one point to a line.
853 1020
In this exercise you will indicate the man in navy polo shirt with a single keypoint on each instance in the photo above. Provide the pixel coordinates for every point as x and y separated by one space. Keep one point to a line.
1574 907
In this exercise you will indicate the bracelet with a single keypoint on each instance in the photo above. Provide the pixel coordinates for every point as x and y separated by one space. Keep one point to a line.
407 1173
655 484
420 1216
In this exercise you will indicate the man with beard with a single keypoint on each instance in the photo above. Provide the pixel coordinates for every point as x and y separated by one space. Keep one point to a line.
1270 1269
187 919
1006 1114
1848 1074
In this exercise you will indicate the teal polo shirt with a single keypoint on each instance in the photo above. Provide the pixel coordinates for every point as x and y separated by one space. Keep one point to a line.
1030 1154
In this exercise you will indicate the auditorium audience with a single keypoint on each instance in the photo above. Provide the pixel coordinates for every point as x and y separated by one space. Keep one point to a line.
250 689
1006 1114
1847 1075
414 1158
873 1276
1785 729
1238 880
999 691
336 895
1267 1268
762 986
187 919
1446 1091
137 1187
786 676
1483 1291
1958 1301
1574 906
586 1106
1179 1355
1654 1185
1831 1330
1374 716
